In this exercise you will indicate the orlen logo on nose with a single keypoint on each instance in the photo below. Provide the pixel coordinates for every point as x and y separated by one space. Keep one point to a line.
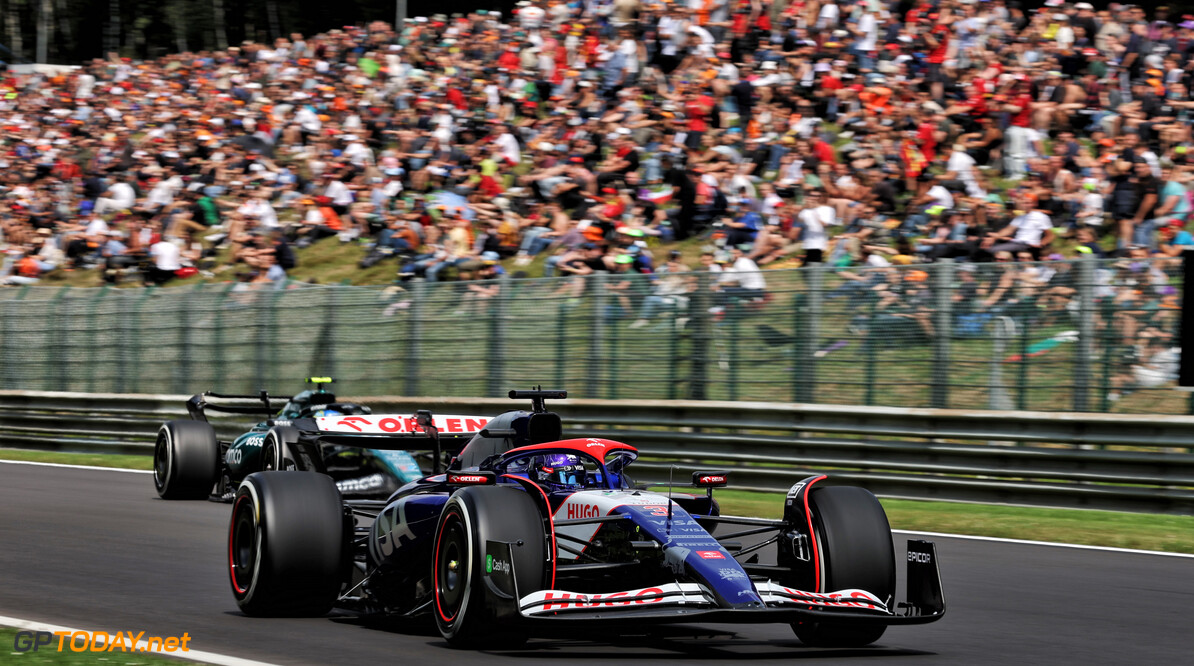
710 554
470 479
923 558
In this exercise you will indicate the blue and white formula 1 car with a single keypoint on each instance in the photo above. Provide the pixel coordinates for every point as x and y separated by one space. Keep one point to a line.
527 530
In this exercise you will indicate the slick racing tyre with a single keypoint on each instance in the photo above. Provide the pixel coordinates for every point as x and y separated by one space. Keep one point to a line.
465 612
856 553
286 545
277 453
185 460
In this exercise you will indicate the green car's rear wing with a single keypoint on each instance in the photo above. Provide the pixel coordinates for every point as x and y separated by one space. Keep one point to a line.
198 404
420 432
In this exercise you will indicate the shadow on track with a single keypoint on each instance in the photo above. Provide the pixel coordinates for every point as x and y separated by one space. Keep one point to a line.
661 642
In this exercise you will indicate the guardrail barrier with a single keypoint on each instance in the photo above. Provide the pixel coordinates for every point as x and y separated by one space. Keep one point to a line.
1121 462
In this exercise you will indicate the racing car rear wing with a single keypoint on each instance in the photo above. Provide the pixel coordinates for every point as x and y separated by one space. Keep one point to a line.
421 432
197 404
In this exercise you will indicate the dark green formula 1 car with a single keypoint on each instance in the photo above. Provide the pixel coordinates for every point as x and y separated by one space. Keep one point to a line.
190 461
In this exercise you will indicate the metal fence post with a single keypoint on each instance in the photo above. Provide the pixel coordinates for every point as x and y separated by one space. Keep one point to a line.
11 352
55 358
497 335
943 281
260 345
699 324
414 338
131 340
1004 328
94 329
808 333
561 342
816 312
597 346
673 368
183 373
734 312
869 341
1022 370
328 340
221 381
799 314
272 379
1086 332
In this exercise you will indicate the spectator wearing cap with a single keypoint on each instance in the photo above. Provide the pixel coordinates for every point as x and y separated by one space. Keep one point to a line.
49 256
742 280
1030 231
742 224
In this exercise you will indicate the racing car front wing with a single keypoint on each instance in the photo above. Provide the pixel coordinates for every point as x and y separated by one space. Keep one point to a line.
672 602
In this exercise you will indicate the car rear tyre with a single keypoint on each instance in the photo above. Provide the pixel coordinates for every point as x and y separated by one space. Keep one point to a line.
185 460
465 612
856 553
286 546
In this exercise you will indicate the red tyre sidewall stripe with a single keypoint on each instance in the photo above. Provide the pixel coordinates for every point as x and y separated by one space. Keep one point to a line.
435 570
812 535
231 533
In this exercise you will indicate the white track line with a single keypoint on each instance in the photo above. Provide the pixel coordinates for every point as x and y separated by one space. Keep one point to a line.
47 464
1026 542
142 647
970 537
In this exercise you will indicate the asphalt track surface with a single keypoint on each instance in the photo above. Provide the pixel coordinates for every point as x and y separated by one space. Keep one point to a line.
97 550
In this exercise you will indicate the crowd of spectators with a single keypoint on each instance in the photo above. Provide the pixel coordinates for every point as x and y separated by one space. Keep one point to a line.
591 134
792 132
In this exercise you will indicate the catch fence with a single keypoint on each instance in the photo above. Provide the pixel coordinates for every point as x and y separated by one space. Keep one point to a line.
1088 335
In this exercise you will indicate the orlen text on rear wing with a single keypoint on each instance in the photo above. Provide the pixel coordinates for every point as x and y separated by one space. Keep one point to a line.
423 431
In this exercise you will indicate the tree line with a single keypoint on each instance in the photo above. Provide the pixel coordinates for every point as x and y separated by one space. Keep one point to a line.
78 30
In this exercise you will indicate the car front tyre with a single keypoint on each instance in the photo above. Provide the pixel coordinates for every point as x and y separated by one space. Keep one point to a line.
286 544
857 553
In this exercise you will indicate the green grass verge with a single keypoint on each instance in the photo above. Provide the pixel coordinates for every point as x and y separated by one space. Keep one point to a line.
92 459
51 655
1174 534
1167 533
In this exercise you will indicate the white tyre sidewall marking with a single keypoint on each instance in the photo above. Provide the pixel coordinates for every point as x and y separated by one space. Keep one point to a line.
169 458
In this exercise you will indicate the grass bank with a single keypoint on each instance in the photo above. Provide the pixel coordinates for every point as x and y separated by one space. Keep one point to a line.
1146 531
51 655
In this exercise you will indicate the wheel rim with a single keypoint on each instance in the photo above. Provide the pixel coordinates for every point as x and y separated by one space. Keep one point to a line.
451 568
242 545
161 461
268 455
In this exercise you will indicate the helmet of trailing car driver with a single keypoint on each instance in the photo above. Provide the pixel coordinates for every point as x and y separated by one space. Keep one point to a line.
558 470
327 412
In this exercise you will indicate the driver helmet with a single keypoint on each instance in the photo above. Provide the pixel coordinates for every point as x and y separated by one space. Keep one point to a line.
327 412
562 470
